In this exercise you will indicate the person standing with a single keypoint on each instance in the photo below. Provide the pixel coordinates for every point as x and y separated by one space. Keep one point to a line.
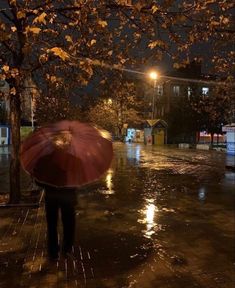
63 200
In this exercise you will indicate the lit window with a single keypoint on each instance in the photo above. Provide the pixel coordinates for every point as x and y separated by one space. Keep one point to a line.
205 90
176 90
160 90
189 92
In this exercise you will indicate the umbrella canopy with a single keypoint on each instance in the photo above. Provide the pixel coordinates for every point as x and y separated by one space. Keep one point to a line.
67 154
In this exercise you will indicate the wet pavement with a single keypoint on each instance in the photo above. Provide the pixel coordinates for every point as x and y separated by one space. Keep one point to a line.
160 217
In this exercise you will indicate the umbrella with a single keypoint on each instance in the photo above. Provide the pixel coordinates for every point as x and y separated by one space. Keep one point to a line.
67 154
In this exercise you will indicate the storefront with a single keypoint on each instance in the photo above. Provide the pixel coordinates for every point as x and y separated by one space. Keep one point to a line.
4 135
134 135
155 132
230 138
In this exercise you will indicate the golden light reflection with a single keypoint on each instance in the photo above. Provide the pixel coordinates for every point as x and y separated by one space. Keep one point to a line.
149 213
109 182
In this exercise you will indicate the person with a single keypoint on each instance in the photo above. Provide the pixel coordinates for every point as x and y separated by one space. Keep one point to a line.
63 200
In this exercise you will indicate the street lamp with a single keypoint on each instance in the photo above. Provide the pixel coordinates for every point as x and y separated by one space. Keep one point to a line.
153 75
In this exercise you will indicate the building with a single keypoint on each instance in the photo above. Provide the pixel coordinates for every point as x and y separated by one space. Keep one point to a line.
168 95
27 101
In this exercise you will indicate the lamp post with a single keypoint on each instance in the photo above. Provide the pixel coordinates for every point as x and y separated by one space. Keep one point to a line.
153 76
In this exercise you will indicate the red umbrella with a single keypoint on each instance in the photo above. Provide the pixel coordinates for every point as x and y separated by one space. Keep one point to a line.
67 154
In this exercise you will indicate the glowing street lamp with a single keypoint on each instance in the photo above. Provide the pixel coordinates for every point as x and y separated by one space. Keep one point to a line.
153 75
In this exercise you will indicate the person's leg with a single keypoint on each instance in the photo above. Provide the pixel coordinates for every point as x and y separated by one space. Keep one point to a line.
52 218
68 219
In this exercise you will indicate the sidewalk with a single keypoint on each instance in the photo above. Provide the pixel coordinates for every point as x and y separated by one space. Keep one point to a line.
23 261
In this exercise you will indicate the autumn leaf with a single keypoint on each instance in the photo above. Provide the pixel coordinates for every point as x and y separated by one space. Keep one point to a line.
53 79
13 29
68 38
20 15
93 41
60 53
155 8
153 44
13 91
5 68
34 30
40 18
102 23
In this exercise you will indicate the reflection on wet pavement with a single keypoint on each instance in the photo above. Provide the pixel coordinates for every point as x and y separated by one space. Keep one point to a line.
160 217
165 221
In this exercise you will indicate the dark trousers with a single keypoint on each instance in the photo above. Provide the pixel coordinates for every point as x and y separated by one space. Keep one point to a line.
64 201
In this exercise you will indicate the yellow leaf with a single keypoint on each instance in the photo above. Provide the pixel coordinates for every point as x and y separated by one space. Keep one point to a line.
68 38
5 68
155 8
60 53
34 30
93 41
224 20
110 52
13 28
153 44
53 79
13 91
102 23
40 18
20 14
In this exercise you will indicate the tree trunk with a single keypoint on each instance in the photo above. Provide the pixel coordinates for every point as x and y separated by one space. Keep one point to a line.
212 138
15 113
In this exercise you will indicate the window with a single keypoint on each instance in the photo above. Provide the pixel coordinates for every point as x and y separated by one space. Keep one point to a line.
176 90
189 92
205 91
4 132
160 90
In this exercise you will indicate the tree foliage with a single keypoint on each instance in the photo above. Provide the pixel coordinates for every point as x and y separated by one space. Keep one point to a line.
214 110
120 105
55 105
76 36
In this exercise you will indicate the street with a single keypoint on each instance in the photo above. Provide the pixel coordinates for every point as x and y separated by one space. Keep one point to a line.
160 217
